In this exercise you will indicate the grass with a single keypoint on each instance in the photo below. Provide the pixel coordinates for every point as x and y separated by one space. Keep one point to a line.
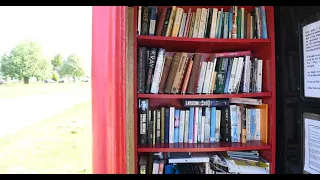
18 90
57 145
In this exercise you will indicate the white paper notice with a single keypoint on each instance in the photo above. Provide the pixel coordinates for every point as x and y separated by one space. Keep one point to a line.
311 53
312 146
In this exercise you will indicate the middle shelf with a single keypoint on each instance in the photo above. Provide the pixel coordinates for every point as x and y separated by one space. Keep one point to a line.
203 96
204 147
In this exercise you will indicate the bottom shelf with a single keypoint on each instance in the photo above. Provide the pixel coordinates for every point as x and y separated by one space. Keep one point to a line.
205 147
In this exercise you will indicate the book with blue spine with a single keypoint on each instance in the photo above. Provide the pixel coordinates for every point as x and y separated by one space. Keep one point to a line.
230 21
234 124
252 123
264 31
153 19
176 125
191 120
212 124
220 23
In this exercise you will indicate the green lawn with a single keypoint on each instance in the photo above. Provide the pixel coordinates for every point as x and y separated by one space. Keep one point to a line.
60 144
15 90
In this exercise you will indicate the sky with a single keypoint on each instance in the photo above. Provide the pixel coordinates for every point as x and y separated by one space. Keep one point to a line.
60 29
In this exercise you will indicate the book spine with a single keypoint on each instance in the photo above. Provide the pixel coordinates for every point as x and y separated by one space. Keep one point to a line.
195 124
259 76
203 122
182 75
145 20
171 125
186 126
143 114
202 22
154 128
206 103
248 101
220 23
209 22
171 21
139 20
243 123
188 21
181 125
194 73
226 87
202 77
172 72
242 23
150 126
151 65
213 23
246 78
207 79
179 74
234 22
162 18
190 31
232 54
158 72
165 73
166 22
264 22
232 75
162 121
207 125
226 25
258 21
212 124
227 125
220 83
176 125
258 127
166 125
206 23
218 122
199 129
177 22
234 123
248 124
187 76
141 68
239 24
191 121
196 23
182 25
153 19
158 135
239 123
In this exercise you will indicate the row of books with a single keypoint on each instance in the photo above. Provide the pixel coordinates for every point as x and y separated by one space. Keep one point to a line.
237 23
230 162
203 121
202 73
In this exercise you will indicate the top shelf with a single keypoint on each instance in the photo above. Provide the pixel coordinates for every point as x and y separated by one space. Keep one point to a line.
205 45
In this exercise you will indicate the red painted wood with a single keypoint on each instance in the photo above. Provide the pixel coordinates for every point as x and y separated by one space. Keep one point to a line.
108 89
204 45
204 147
203 96
261 48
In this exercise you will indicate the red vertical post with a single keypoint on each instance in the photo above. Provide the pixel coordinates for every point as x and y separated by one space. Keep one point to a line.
108 89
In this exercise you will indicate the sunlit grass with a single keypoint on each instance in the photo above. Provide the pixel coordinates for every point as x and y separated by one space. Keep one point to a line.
60 144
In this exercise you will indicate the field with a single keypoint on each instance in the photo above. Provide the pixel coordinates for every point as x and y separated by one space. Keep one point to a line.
57 145
16 90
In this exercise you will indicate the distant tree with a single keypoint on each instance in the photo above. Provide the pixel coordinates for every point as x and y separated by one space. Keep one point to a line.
56 61
72 67
55 76
24 61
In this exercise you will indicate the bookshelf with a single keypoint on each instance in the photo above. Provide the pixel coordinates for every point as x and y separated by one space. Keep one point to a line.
262 48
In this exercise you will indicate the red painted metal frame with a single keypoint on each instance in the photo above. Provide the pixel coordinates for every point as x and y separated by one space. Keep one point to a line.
108 89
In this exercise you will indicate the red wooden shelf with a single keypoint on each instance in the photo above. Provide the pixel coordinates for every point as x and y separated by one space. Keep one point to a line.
208 45
205 147
203 96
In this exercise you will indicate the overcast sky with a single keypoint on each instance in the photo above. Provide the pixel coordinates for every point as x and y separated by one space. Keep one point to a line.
64 29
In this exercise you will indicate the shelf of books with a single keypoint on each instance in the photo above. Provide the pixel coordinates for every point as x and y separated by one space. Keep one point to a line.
204 90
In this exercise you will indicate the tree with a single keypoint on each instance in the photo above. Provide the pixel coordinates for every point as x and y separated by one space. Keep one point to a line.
72 67
24 61
56 61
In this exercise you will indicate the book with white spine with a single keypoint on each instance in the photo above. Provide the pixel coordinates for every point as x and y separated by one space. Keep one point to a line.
218 120
182 25
246 77
213 23
259 76
206 83
171 125
196 23
207 125
195 124
202 76
139 20
203 17
158 71
233 75
237 78
181 125
199 125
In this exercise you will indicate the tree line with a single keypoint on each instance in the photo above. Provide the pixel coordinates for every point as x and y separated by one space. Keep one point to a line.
26 60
